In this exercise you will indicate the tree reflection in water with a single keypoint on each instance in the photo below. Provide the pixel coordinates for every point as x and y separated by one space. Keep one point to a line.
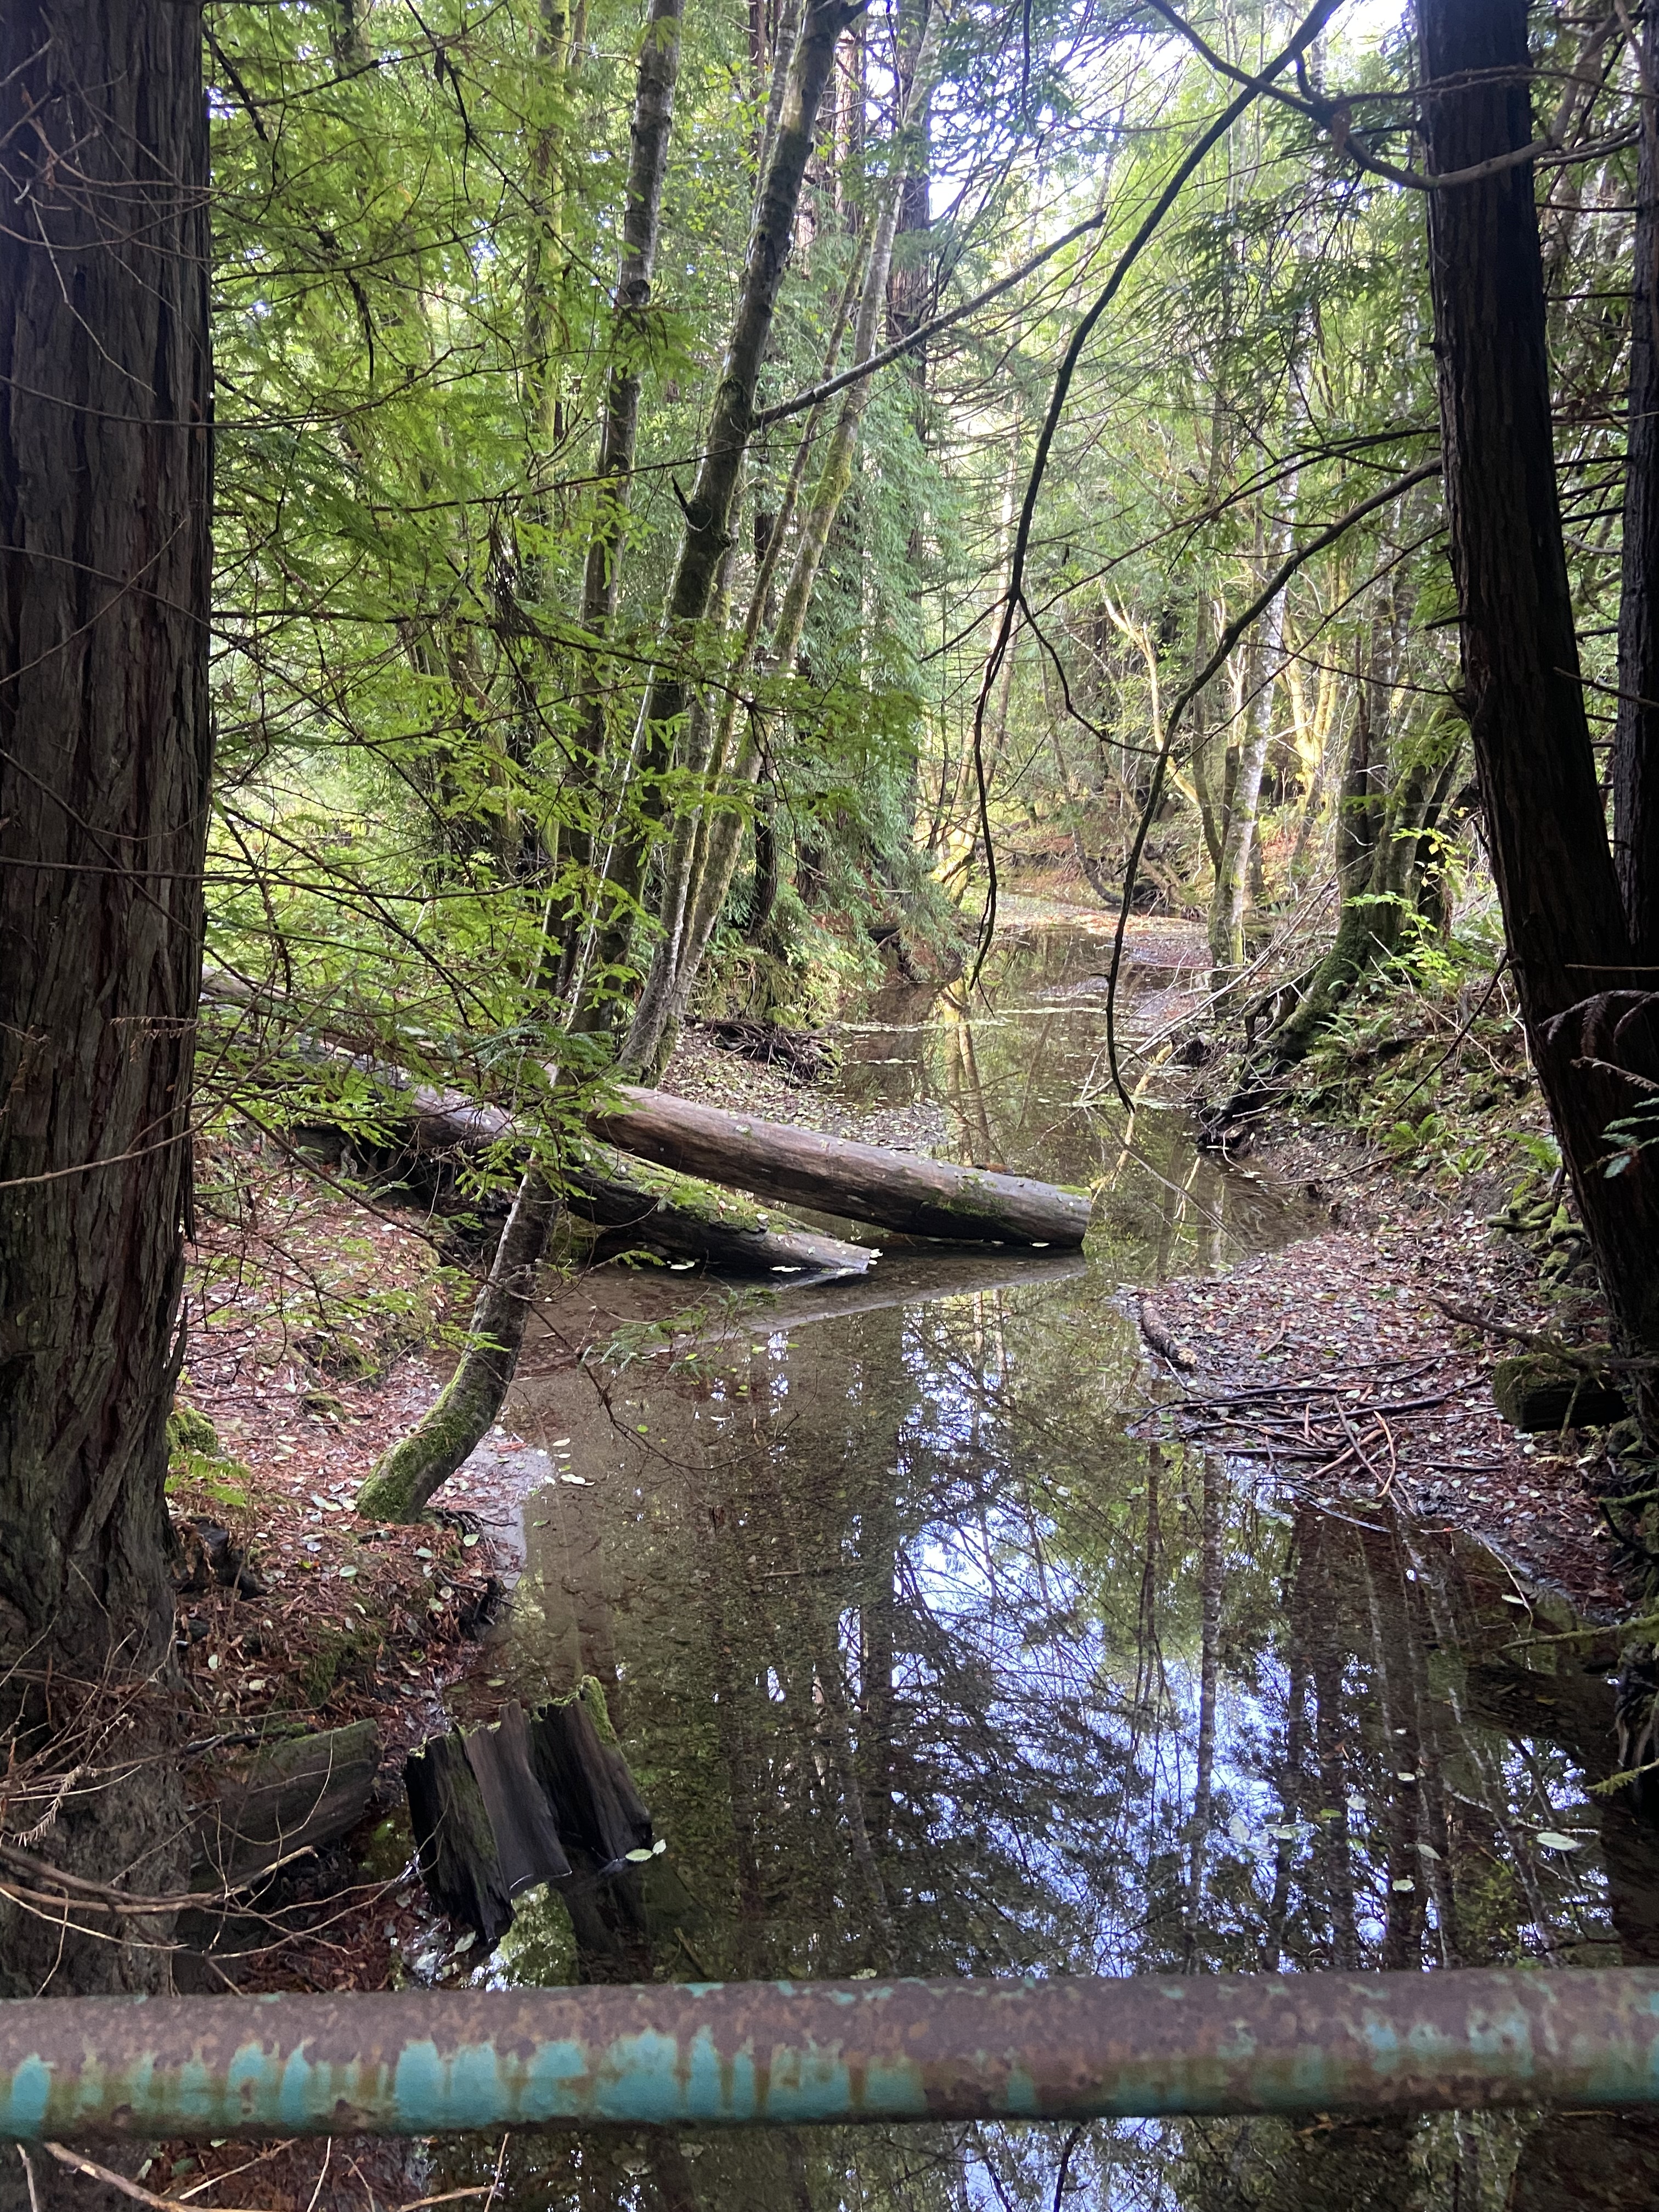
926 1665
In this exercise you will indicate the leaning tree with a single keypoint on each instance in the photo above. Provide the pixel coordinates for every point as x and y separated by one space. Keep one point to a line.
104 760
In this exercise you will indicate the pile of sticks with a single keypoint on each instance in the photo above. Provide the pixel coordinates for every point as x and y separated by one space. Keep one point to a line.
1322 1426
800 1056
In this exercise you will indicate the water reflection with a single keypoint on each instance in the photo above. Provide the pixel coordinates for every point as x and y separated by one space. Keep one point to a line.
926 1664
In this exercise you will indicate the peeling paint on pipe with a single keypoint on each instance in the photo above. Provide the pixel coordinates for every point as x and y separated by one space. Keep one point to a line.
427 2062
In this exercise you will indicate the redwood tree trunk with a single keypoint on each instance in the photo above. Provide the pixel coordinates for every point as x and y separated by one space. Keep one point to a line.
104 759
1636 738
1545 822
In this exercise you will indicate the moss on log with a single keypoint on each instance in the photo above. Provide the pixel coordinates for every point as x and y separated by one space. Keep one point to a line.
1534 1392
901 1190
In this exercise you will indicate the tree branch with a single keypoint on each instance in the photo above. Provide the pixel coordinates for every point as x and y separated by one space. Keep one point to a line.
1014 592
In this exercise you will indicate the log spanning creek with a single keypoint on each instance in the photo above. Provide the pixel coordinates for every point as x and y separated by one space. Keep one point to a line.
925 1661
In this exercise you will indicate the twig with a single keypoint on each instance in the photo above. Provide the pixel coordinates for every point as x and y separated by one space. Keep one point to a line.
495 2181
214 2180
103 1896
449 2197
1593 1361
322 2175
110 2179
29 2176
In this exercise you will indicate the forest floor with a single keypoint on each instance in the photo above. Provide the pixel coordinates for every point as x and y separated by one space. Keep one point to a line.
1401 1408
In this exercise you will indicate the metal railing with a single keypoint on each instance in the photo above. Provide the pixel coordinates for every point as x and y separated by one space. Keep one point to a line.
423 2062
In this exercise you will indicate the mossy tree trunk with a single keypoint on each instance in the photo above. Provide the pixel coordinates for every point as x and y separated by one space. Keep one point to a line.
1388 868
416 1464
1394 786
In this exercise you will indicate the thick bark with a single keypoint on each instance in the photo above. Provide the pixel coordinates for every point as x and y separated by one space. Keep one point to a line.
905 1191
1523 693
104 760
1636 736
1546 831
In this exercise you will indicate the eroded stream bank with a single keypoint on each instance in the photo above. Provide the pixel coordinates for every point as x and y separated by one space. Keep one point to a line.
931 1660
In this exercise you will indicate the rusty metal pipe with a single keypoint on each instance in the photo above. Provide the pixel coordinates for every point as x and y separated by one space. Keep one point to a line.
425 2062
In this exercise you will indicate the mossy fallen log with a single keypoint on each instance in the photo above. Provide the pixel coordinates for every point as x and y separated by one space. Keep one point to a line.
721 1228
290 1796
1535 1392
867 1183
667 1212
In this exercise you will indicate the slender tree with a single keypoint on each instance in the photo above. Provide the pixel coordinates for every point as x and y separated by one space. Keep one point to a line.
413 1469
406 1476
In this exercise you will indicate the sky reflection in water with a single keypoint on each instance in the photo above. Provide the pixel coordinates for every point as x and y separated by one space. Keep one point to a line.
926 1664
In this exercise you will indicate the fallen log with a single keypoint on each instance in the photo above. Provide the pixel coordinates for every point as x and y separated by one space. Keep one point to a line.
900 1190
299 1793
720 1228
671 1212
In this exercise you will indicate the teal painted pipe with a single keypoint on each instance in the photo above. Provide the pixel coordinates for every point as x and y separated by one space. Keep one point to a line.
427 2062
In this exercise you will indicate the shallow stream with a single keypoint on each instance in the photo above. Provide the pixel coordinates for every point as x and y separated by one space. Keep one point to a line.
929 1660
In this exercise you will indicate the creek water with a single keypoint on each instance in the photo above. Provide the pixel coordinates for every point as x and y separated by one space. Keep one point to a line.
930 1658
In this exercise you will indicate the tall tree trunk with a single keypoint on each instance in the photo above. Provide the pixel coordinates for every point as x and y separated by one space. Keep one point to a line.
1238 843
708 511
648 165
1545 827
701 898
1636 736
106 756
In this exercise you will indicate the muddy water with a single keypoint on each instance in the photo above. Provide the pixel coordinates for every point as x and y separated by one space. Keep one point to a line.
929 1662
